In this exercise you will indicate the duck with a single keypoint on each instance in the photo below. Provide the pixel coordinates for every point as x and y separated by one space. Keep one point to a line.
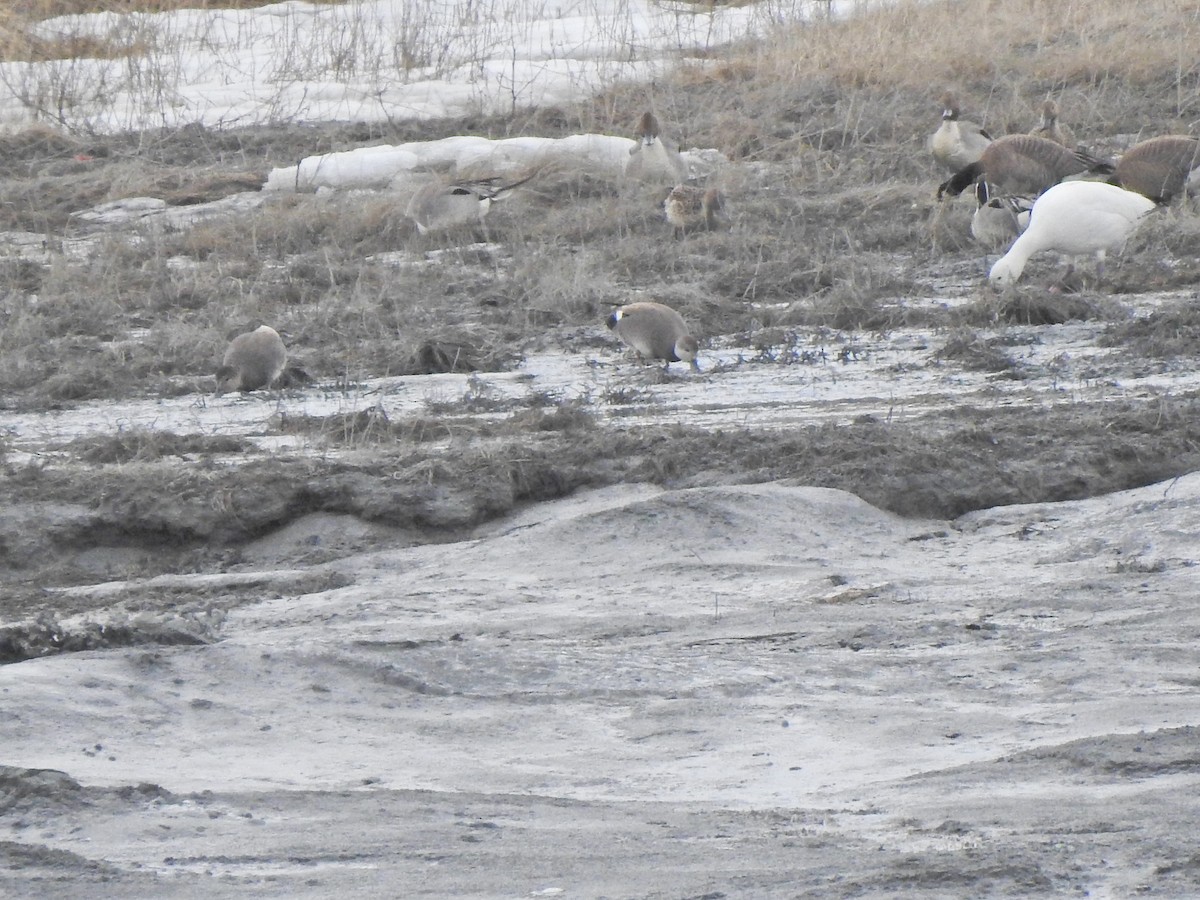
1075 218
1050 128
253 360
1022 164
998 219
655 331
691 208
439 205
653 159
957 142
1160 168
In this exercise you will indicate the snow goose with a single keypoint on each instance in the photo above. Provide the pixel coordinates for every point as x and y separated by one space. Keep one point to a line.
253 360
1160 168
1050 128
655 331
654 159
1022 164
1075 218
957 142
691 208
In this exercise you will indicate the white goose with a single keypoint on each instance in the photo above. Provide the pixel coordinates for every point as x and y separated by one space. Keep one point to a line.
1075 218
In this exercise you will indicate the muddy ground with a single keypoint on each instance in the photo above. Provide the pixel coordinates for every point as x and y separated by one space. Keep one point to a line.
894 609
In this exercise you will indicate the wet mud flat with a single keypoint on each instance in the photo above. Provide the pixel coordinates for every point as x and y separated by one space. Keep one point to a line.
853 612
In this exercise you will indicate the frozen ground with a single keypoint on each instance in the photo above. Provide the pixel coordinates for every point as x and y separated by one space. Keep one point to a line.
768 690
367 60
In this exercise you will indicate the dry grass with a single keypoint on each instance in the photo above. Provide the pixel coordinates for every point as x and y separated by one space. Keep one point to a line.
940 466
18 42
143 444
1168 333
36 10
832 203
832 200
841 84
916 44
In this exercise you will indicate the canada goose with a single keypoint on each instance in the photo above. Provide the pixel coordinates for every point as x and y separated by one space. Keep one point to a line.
690 207
438 204
1159 168
1022 164
1050 128
653 158
1074 218
253 360
957 142
655 332
998 219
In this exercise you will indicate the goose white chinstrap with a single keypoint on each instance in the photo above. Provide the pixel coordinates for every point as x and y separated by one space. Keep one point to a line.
438 205
998 219
1075 218
655 331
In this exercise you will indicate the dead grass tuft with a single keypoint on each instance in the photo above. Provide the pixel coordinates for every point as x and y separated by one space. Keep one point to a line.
975 353
36 10
1036 307
144 445
363 427
833 234
1033 305
440 355
918 46
1172 332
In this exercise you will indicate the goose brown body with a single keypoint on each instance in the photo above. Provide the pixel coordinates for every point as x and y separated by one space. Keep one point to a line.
253 360
691 208
1020 164
1159 168
1052 129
